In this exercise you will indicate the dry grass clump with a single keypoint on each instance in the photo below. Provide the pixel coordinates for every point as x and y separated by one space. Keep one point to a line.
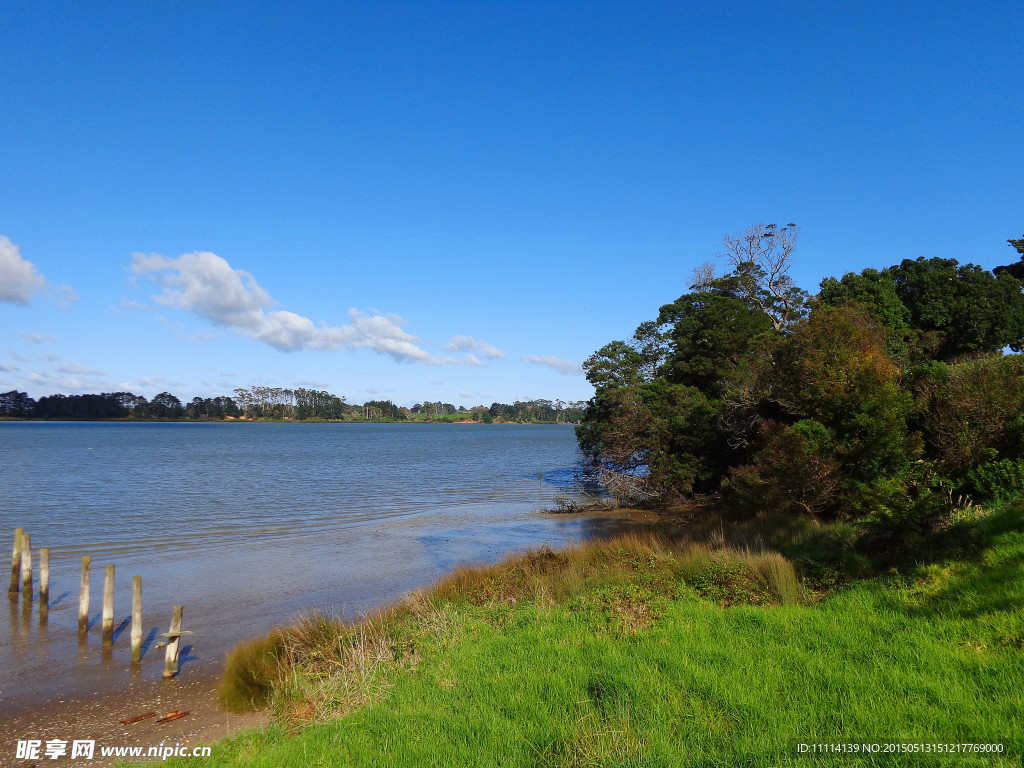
331 668
249 673
525 576
740 577
320 667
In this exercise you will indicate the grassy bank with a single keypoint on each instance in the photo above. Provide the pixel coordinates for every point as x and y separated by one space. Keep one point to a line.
647 652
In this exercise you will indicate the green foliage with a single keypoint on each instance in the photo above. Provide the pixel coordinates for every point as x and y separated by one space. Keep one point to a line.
834 369
972 412
795 471
708 333
997 480
898 515
875 292
735 388
663 436
941 308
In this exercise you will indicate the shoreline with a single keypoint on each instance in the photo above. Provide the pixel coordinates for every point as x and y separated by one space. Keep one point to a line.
95 713
97 717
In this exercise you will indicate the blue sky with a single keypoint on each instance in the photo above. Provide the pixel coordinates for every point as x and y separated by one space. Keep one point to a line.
462 201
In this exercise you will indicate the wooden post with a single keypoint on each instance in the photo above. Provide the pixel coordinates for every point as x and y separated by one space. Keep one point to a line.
83 597
136 619
173 644
12 590
108 605
26 568
44 575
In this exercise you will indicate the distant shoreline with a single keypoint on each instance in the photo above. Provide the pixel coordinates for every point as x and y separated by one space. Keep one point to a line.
130 420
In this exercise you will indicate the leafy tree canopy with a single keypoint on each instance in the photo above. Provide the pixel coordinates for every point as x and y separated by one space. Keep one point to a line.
866 401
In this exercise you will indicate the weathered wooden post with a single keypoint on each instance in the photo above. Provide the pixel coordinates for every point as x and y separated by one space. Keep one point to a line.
12 590
26 568
83 597
136 619
44 575
108 605
173 643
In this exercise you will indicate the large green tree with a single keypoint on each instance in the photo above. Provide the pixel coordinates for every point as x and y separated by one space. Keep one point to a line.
940 308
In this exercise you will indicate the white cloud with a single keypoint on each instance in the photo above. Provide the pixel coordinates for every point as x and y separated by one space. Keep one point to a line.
566 367
152 381
205 284
7 368
469 344
67 384
74 369
19 279
37 338
64 296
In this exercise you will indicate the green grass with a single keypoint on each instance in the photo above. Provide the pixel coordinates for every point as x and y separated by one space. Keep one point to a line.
642 653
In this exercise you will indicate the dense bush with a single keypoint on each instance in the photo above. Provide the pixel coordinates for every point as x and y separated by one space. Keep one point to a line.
885 403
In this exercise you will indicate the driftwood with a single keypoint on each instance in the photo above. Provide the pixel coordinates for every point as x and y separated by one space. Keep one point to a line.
137 718
171 716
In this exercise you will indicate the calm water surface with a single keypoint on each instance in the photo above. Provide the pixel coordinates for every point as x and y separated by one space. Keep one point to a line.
249 525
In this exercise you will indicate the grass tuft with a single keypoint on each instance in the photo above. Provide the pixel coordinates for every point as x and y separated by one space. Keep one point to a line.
250 672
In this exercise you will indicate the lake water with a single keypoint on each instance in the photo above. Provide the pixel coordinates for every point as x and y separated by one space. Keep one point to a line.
249 525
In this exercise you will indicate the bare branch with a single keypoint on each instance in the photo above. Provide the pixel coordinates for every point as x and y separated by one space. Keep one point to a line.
761 257
703 277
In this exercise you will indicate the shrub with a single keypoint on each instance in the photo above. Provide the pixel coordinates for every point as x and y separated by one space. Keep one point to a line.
794 472
996 481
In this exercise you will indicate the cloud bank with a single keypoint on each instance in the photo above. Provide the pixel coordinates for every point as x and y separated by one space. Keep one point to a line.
206 285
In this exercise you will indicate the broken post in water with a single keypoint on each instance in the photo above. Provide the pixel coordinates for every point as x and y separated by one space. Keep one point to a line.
12 590
173 643
44 576
108 605
83 597
26 568
136 619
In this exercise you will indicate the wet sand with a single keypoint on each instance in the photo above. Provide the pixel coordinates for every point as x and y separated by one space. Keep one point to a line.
63 689
97 717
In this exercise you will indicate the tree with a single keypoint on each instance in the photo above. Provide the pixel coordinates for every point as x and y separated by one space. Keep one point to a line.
965 309
938 308
166 406
972 412
16 404
760 258
1015 270
834 369
707 333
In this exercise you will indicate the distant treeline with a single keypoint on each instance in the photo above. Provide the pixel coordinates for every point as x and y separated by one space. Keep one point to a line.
273 403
